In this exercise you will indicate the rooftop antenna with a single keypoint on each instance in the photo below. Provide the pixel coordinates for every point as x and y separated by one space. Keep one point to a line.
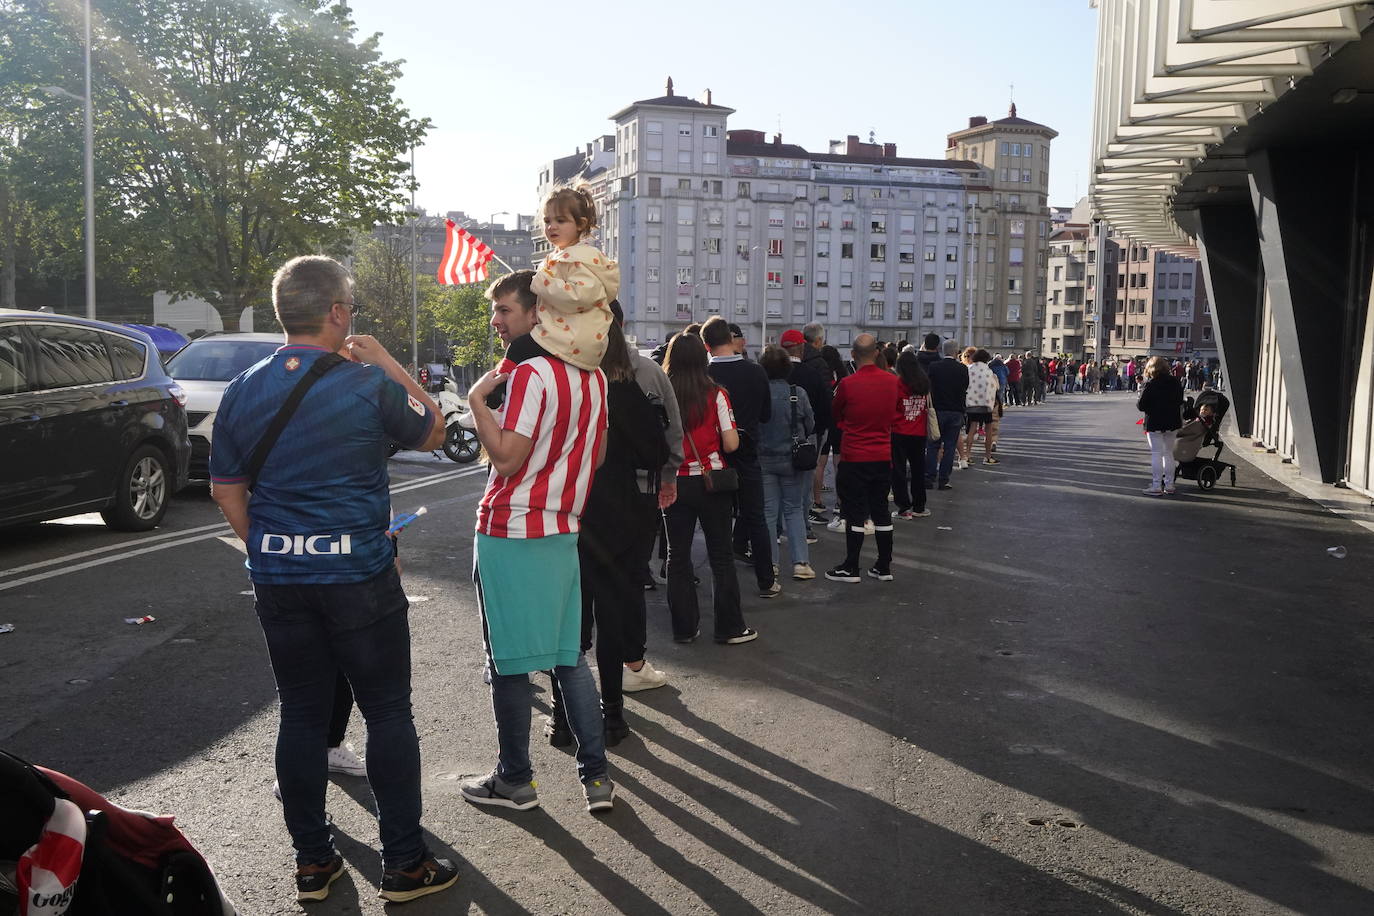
1011 87
871 134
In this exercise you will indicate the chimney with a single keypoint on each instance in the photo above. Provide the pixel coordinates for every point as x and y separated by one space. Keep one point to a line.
977 121
708 96
777 139
670 86
889 151
1011 112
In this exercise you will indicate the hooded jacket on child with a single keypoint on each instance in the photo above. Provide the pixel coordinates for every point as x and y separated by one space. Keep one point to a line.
575 286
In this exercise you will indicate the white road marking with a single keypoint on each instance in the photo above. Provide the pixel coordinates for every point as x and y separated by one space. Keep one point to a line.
179 539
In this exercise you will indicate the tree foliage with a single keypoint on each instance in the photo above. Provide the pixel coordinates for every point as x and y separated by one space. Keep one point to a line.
230 135
464 314
382 287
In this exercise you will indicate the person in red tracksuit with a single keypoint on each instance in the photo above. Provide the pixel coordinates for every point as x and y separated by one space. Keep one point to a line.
865 409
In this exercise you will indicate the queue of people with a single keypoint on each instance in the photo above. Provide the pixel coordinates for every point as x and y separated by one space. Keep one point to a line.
594 452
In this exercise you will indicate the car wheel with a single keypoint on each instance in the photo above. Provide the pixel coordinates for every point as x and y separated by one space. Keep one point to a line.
460 444
142 491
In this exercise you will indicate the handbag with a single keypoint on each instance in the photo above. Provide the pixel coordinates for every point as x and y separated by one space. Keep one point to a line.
804 452
932 425
725 480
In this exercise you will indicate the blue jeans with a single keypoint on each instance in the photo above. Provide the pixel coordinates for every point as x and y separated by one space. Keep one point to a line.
510 701
951 424
783 488
361 628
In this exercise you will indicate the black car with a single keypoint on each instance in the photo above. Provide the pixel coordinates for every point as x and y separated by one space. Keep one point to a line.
89 421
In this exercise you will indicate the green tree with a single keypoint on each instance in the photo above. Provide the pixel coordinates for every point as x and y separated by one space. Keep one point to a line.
464 314
232 135
382 287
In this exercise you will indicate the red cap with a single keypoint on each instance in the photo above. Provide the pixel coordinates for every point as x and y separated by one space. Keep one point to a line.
791 337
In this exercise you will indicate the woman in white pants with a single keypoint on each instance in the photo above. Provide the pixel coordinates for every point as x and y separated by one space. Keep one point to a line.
1161 400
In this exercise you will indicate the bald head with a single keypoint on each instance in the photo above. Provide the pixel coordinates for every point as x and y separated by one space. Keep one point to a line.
864 349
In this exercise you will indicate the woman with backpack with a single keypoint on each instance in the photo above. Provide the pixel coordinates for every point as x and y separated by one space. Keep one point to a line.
705 487
612 593
790 424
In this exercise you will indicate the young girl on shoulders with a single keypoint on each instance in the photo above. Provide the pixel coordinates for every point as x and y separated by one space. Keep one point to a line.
576 282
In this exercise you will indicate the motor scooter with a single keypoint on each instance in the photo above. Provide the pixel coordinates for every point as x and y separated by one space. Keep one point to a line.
460 439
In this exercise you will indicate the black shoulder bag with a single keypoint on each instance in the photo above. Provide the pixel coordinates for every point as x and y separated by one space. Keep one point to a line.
293 400
804 455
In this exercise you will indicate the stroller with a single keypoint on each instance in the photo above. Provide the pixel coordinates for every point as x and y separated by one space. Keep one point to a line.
64 849
1201 429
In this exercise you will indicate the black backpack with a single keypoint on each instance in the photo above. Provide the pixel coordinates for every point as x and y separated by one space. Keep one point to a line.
643 425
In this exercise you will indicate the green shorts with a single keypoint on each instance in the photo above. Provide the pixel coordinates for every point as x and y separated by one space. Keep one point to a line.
529 592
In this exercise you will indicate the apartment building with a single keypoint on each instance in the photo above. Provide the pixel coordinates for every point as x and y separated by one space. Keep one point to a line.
707 220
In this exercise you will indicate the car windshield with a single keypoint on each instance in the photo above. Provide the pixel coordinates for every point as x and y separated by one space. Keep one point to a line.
218 360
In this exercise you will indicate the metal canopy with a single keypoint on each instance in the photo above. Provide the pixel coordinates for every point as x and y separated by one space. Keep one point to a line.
1176 77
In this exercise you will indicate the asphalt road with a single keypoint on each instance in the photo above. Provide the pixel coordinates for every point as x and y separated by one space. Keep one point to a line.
1073 699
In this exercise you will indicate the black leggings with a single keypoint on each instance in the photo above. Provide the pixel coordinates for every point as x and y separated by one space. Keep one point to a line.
909 470
343 708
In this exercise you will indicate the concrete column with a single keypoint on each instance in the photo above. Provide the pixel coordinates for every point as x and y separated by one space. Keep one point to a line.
1306 203
1228 243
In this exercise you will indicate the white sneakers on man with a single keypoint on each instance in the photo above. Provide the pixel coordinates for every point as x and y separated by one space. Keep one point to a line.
646 678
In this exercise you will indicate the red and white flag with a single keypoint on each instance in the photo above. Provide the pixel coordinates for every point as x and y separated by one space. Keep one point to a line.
465 257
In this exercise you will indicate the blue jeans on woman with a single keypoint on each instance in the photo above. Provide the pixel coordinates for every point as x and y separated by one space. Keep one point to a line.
783 490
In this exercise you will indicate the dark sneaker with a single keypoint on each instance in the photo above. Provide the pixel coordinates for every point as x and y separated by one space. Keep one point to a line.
312 881
882 575
429 877
811 537
557 730
944 485
600 794
686 639
841 574
493 790
746 635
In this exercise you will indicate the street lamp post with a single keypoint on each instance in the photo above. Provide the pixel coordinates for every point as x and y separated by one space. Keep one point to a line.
88 162
492 220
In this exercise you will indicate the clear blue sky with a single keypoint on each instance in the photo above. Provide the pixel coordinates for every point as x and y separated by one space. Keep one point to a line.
510 85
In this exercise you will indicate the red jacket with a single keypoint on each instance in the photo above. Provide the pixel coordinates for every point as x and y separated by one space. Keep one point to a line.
865 410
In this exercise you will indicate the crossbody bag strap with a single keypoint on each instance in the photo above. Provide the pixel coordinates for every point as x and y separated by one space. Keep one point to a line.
792 395
293 400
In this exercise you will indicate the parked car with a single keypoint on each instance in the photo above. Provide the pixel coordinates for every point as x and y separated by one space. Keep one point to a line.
89 421
205 367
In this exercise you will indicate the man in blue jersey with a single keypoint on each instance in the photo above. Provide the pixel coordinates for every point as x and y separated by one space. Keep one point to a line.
327 591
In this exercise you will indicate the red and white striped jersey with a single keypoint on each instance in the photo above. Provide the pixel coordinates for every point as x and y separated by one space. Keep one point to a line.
706 437
562 409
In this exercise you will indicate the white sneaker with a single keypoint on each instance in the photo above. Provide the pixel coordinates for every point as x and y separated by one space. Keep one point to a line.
646 678
343 760
835 524
868 526
1152 491
803 571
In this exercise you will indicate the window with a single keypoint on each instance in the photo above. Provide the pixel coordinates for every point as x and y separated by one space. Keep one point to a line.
822 307
800 192
1017 227
653 127
904 308
847 194
709 157
1013 311
653 215
822 278
846 278
684 184
712 275
822 249
876 193
775 248
952 224
908 223
684 130
655 242
742 248
710 130
1013 284
799 220
742 189
847 222
877 286
951 282
823 219
129 358
684 246
741 306
684 276
847 250
878 223
713 217
846 308
932 224
951 310
877 252
822 193
654 155
741 217
651 274
952 253
799 279
929 253
906 254
927 309
774 308
655 187
1015 257
686 214
1187 281
684 157
775 279
651 304
742 277
1016 149
906 283
775 216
